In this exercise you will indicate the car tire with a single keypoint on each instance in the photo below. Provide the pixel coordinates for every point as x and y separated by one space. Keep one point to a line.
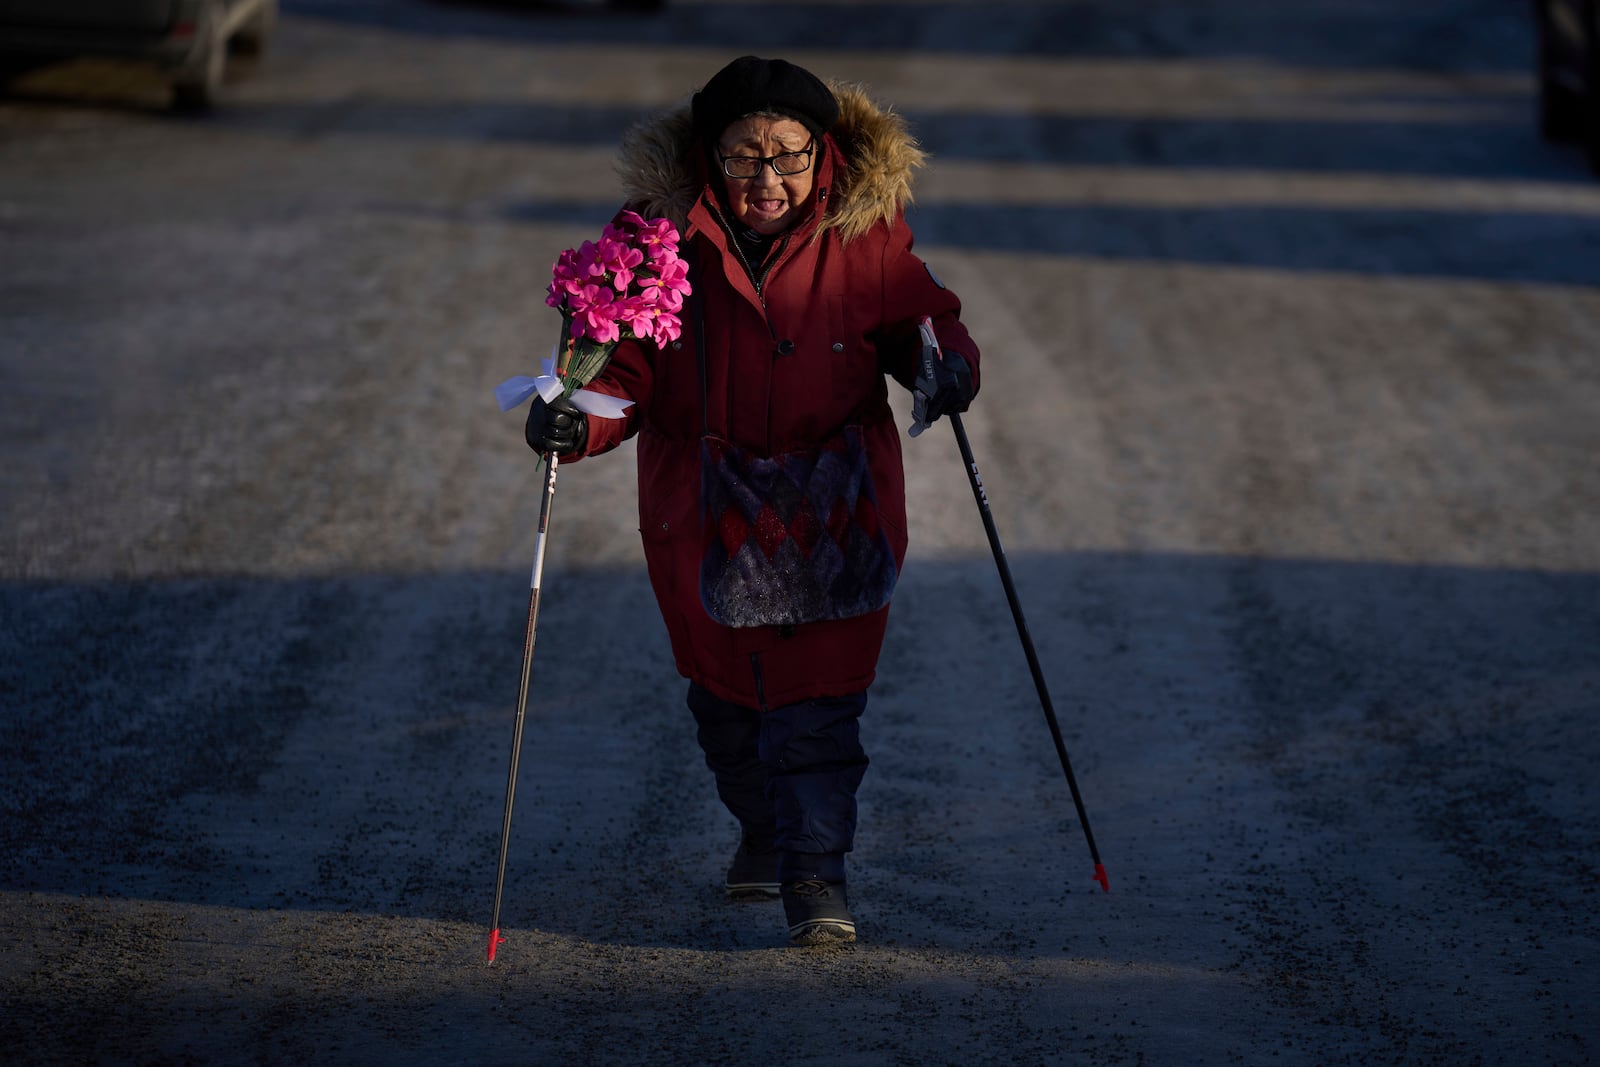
1589 111
196 87
1561 111
252 38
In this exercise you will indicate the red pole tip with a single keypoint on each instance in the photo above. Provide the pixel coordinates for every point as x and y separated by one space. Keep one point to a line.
495 941
1099 876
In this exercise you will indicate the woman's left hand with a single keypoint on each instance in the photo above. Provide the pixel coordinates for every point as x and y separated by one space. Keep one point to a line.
952 387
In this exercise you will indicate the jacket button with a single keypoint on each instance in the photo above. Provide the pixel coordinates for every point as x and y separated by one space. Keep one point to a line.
785 347
677 344
838 346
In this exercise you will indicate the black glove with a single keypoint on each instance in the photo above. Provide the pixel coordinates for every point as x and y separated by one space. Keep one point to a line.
952 387
557 427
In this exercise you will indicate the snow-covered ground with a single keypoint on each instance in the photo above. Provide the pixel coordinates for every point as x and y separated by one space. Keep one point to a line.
1290 421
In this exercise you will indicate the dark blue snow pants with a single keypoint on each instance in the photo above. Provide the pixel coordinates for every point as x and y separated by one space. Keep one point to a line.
789 775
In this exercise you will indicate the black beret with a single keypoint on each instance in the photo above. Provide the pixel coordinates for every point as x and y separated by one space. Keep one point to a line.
750 84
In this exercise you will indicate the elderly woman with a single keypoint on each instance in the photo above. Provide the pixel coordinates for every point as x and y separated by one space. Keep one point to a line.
771 491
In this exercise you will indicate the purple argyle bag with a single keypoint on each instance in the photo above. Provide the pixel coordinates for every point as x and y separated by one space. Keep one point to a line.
791 538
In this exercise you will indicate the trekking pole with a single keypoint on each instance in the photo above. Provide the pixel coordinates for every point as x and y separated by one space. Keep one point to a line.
930 352
551 462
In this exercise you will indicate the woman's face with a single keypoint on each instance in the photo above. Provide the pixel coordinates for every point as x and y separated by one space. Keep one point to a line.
769 202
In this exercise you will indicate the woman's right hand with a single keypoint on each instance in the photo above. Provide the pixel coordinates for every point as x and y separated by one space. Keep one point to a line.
557 427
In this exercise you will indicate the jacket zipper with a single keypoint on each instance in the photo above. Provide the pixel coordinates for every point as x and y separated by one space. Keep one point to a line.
758 279
766 268
761 690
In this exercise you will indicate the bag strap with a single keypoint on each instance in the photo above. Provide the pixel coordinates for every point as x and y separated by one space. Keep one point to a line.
698 301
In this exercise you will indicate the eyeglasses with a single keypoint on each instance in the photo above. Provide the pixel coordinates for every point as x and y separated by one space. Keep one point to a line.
783 164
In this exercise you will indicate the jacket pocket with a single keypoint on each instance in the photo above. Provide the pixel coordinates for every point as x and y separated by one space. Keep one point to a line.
669 487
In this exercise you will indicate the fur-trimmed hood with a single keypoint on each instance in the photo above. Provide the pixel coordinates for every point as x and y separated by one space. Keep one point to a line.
661 176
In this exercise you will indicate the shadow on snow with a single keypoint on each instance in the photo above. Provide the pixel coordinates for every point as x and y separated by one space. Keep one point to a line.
1422 34
260 743
1549 246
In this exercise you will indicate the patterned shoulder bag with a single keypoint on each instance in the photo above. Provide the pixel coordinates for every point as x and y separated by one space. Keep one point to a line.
791 538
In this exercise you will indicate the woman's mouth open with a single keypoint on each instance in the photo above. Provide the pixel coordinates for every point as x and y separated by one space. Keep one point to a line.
769 209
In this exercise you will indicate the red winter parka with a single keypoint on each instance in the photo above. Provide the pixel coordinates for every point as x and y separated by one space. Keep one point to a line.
788 365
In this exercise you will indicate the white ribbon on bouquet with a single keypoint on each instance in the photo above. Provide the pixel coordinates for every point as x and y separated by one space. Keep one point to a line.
517 390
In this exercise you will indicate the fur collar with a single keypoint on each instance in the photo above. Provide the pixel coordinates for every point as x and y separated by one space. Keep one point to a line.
660 176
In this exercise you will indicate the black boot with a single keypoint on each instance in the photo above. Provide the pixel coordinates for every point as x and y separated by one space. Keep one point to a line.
729 736
818 913
814 760
753 874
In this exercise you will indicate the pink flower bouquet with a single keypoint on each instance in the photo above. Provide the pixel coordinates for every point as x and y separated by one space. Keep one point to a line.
630 284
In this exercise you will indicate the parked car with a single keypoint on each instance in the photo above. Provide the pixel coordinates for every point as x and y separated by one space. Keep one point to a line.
190 39
1569 72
